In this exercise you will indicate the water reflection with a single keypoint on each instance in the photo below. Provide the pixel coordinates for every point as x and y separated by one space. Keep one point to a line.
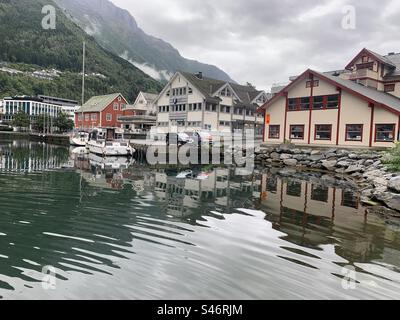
183 233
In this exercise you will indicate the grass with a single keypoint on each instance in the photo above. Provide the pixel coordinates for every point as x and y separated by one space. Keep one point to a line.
392 158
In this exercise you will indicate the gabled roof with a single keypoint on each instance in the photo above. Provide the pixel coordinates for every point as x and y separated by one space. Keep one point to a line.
150 97
208 87
99 103
394 59
379 98
375 55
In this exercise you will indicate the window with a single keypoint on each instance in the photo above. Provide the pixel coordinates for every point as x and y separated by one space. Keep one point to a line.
225 123
318 103
80 117
354 132
93 117
168 93
350 199
292 104
109 117
116 107
86 117
305 103
389 87
119 99
293 188
384 132
315 83
333 101
297 132
364 59
323 132
274 131
123 106
319 193
190 90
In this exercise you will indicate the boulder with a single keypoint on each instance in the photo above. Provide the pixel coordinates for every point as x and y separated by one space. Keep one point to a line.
354 169
394 184
297 151
275 156
383 211
286 148
306 151
314 152
315 157
329 164
333 150
391 200
290 162
285 156
343 164
342 153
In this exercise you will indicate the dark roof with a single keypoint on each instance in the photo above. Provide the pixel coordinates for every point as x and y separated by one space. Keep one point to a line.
395 60
369 94
209 86
383 59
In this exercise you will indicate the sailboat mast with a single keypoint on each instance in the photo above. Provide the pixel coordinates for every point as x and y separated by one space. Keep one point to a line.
83 80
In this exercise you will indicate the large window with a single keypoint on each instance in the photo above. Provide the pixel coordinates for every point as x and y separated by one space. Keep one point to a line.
297 132
385 132
323 132
318 103
274 132
354 132
305 103
109 117
332 101
292 104
319 193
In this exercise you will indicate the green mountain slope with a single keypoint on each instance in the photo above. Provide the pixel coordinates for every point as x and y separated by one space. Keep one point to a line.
116 30
29 47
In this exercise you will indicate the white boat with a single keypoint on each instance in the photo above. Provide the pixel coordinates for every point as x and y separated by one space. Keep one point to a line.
79 139
109 142
115 163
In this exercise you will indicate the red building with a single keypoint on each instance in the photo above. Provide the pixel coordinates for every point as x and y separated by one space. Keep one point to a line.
102 111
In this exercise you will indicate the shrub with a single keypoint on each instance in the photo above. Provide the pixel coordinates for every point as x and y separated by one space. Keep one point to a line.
392 158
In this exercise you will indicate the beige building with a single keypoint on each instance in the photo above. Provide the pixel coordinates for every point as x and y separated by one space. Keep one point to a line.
358 106
193 102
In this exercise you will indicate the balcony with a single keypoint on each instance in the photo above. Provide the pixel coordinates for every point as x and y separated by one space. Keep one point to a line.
178 115
364 73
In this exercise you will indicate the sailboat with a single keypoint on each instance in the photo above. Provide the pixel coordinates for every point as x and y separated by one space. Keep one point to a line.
79 138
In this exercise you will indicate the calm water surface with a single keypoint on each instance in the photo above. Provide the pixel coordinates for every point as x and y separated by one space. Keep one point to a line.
135 232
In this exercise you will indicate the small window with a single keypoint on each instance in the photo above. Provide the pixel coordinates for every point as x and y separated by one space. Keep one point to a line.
354 132
389 87
314 83
168 93
323 132
119 99
318 103
333 101
274 131
384 132
93 117
109 117
116 106
190 90
293 188
364 59
86 117
320 193
297 132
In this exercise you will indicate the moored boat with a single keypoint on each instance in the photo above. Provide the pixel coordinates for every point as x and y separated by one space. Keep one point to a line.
79 139
109 142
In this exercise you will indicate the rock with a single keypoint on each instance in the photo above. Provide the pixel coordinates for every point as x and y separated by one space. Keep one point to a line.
391 200
290 162
286 148
306 151
377 163
299 157
296 151
331 156
394 184
329 164
314 152
353 169
275 156
340 170
379 182
285 156
315 157
369 163
342 153
383 211
370 175
333 150
343 164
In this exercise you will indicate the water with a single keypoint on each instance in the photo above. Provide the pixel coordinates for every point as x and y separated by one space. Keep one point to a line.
135 232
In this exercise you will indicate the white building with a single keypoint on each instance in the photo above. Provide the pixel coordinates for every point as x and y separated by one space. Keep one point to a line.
192 102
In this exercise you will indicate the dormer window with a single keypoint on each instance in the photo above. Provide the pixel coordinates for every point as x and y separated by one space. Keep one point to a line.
364 59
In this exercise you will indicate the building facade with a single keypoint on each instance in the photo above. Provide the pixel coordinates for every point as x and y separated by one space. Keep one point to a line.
341 108
142 113
33 106
102 111
193 102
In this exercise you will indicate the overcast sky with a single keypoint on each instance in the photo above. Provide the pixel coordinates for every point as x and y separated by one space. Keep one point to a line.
266 41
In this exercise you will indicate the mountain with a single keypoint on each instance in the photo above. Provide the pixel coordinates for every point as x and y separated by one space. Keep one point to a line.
27 48
116 30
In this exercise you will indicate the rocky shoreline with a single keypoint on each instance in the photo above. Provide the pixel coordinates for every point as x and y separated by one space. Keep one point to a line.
379 188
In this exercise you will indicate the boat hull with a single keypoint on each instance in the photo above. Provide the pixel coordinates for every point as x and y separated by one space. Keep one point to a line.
114 149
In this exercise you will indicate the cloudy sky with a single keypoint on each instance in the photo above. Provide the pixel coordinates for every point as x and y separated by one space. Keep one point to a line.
266 41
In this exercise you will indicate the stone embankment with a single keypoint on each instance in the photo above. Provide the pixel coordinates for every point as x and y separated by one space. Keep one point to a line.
379 188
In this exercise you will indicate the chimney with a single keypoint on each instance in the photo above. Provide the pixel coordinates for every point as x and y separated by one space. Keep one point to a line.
391 53
199 75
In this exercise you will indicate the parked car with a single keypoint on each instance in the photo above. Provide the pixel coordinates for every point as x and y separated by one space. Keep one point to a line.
179 139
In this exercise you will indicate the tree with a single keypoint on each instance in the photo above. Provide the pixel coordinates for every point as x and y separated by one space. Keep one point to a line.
21 120
63 123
